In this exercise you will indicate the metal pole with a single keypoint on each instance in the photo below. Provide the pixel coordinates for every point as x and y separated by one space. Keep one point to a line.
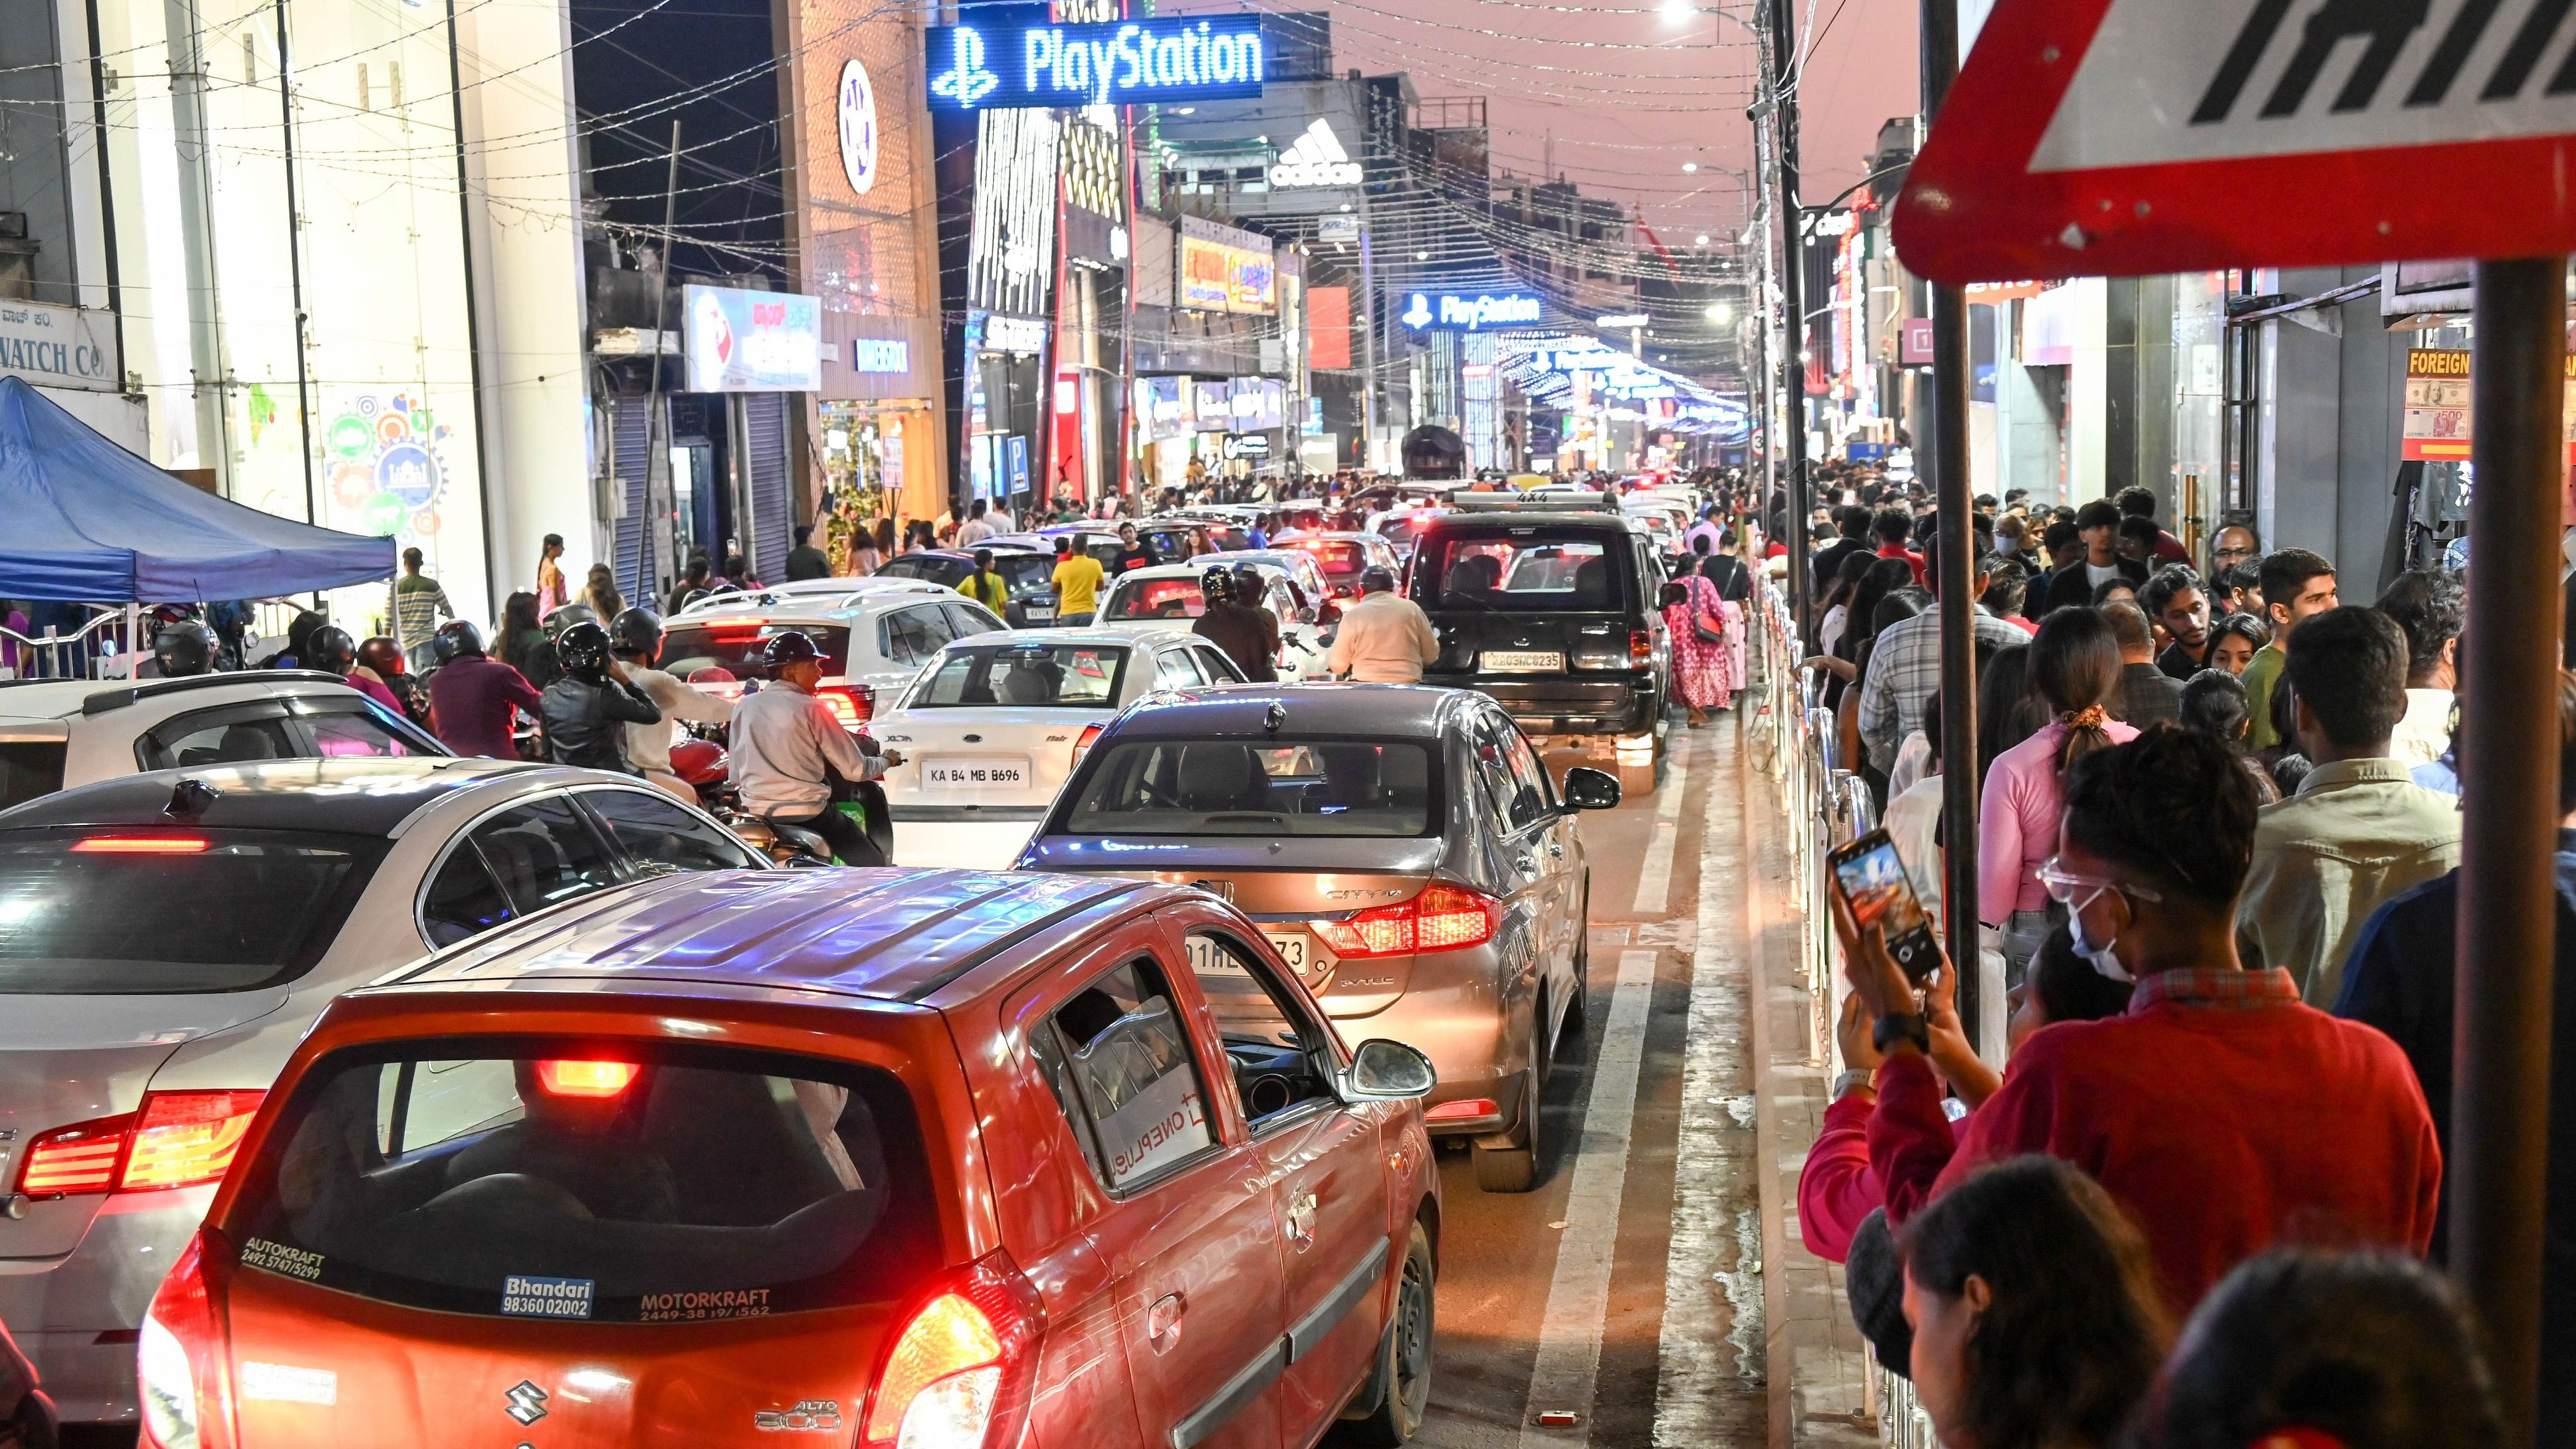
661 514
1368 314
2508 776
1957 564
1793 278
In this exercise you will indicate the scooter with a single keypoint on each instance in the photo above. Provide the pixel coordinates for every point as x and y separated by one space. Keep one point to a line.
704 765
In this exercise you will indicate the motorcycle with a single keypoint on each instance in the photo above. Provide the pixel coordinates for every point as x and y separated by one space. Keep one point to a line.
703 764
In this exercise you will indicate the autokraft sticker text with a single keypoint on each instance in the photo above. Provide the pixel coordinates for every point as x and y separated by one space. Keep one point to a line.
680 1307
809 1416
279 1258
525 1296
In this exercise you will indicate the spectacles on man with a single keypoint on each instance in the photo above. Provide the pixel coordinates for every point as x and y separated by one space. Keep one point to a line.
2064 886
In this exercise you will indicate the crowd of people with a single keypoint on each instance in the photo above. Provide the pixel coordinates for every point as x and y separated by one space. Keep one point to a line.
2217 844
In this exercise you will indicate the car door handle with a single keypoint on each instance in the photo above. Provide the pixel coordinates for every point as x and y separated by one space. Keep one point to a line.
1163 1322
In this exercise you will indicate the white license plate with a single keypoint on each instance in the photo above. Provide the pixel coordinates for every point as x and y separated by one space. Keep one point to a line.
1204 961
1524 661
975 774
1038 611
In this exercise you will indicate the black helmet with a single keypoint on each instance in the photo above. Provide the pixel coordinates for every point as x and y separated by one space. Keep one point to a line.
456 639
563 616
790 647
1217 585
183 648
330 648
582 649
637 631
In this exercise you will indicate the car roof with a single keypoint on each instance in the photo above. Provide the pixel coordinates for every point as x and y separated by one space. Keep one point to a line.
845 596
1244 709
891 934
1523 518
32 699
369 796
1122 638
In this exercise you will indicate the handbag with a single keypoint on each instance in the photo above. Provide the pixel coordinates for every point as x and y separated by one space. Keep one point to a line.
1710 630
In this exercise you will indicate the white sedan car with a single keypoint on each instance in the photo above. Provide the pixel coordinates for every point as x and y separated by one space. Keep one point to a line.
1167 596
993 726
875 636
165 940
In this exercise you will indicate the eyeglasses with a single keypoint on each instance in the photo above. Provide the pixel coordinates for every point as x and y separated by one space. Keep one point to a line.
2236 553
2063 886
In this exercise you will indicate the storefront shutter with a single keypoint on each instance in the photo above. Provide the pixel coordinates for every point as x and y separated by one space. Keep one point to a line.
765 426
633 427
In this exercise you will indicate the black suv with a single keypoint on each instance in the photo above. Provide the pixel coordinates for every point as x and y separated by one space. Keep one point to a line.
1552 611
1030 577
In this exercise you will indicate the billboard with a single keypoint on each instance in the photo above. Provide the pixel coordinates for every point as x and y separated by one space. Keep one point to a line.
1013 57
745 341
1225 269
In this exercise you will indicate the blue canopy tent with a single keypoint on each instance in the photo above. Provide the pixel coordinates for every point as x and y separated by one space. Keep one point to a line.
84 521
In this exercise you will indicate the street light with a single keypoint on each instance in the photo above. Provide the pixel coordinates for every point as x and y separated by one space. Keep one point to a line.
1690 166
1720 314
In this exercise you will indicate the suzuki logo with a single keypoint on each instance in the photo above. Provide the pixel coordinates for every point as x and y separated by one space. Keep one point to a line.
966 81
527 1403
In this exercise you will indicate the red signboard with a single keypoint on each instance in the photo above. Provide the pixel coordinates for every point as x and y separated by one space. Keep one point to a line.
1914 345
2126 137
2437 422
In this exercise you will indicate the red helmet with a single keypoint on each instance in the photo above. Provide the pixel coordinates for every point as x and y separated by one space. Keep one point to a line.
382 655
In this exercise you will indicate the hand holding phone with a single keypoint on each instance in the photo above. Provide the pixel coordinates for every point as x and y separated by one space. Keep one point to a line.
1871 880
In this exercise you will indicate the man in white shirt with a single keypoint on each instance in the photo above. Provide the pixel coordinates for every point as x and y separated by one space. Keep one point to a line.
638 636
2429 606
977 527
784 742
1384 638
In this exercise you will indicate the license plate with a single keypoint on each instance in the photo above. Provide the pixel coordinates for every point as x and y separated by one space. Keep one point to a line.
1206 963
1039 611
975 774
1524 661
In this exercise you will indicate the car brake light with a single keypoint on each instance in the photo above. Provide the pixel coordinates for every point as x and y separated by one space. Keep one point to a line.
1468 1107
179 1361
1442 918
959 1374
1641 646
186 1138
852 704
585 1079
75 1159
1082 743
140 845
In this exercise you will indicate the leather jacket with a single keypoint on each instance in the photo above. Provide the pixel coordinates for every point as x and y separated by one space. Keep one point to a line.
586 723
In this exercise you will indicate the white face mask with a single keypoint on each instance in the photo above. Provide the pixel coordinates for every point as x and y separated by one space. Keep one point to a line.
2104 959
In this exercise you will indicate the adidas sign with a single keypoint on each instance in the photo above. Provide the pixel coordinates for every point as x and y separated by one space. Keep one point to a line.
1316 159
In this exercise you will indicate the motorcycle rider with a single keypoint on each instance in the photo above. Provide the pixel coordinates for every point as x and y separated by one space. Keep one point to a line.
385 657
184 647
1234 627
783 740
585 710
473 698
332 651
637 636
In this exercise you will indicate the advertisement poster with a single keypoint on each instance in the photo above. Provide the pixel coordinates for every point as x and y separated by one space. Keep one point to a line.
2437 410
1136 1077
745 341
1224 269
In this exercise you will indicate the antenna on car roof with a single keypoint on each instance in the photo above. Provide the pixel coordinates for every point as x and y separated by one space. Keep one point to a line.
189 799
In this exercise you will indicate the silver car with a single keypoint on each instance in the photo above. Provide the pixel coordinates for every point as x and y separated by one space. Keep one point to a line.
166 938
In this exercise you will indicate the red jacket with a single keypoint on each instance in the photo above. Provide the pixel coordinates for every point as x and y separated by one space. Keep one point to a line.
1838 1187
2223 1113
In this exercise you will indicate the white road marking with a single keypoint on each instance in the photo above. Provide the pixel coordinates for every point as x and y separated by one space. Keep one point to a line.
1578 1297
1656 884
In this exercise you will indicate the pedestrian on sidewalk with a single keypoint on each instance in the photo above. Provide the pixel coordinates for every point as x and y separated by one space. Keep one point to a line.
2178 603
804 560
2213 704
2147 695
1384 637
419 603
2082 570
2429 606
2296 585
2074 666
550 576
1695 620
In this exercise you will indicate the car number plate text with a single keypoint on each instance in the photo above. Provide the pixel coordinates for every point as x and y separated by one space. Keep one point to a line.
975 774
1523 661
1205 960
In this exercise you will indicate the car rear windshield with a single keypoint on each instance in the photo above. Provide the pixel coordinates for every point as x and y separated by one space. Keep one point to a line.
152 911
738 648
1028 676
1136 599
1337 557
1283 786
1530 570
570 1180
922 566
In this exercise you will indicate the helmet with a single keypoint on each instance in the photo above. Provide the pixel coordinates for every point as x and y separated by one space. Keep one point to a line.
1217 585
790 647
637 631
382 655
330 648
564 616
583 649
186 647
455 639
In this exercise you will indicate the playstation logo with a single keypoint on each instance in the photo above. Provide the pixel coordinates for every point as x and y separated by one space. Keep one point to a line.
1419 314
966 81
527 1403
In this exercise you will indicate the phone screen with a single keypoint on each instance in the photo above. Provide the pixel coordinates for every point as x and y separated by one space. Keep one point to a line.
1880 895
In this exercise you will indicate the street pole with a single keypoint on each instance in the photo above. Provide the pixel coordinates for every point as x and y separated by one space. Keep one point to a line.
1793 277
1957 541
2509 806
661 516
1368 329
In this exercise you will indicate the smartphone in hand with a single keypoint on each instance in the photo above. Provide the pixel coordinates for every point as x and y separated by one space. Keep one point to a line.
1872 882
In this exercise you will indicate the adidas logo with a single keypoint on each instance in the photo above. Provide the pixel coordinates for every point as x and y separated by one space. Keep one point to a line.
1316 159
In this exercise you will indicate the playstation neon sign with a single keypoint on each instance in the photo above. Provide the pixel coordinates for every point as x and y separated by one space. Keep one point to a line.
1448 311
1015 57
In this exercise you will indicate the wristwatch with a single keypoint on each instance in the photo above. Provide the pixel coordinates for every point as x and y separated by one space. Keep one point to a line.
1898 1026
1858 1078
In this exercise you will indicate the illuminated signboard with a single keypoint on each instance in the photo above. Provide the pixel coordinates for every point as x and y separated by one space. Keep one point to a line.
1016 57
745 341
879 354
1315 159
1447 311
1226 269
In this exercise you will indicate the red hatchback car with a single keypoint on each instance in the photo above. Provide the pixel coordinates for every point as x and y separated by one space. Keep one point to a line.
896 1160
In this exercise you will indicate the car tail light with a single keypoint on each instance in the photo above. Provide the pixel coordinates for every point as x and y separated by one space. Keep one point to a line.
1465 1108
852 704
1442 918
959 1375
585 1079
186 1138
180 1366
141 845
1641 646
1082 743
75 1159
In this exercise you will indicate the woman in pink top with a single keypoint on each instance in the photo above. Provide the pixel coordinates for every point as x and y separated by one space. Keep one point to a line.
2074 667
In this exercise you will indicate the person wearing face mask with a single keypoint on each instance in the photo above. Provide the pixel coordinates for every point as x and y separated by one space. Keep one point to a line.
2202 1108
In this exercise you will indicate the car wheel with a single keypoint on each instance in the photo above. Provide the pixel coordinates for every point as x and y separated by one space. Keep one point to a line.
1514 1169
1401 1383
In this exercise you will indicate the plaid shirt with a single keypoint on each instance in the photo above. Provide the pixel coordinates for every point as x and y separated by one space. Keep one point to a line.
1905 671
2218 988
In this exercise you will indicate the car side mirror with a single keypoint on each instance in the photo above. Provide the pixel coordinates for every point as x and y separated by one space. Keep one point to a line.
1590 789
1390 1071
